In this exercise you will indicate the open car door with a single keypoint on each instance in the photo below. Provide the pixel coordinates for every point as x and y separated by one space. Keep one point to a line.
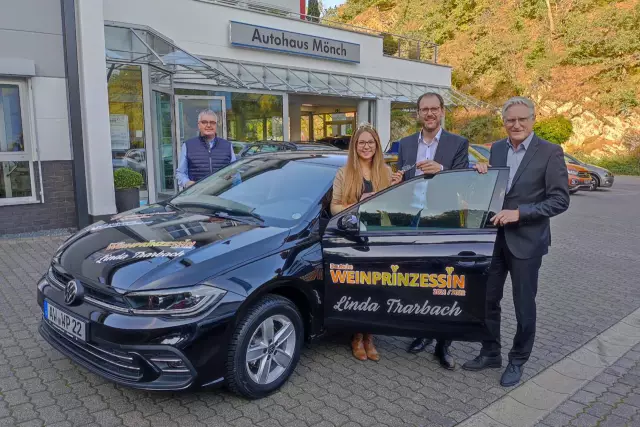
413 260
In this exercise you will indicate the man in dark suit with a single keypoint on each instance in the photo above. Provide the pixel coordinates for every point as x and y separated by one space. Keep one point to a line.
430 151
537 190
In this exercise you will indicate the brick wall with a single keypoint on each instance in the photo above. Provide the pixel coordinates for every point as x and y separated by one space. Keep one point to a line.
58 209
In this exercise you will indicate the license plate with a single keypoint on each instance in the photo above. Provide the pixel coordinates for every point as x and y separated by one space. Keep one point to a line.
69 324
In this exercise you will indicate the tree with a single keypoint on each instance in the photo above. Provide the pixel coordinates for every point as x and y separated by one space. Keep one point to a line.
313 11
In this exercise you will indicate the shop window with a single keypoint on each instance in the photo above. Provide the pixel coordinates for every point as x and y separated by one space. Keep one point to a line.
17 183
250 117
126 113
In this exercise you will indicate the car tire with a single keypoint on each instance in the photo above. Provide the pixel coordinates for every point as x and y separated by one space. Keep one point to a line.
595 183
244 378
574 191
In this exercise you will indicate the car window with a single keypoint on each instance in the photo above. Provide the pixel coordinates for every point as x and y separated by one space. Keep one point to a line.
237 147
253 149
269 148
456 199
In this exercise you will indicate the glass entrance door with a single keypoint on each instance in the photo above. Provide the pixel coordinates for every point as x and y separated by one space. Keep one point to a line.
162 109
188 107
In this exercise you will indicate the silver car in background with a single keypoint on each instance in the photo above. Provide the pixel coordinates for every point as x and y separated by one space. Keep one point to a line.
601 176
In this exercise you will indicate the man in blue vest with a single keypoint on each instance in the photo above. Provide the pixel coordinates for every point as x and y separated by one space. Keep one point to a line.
205 154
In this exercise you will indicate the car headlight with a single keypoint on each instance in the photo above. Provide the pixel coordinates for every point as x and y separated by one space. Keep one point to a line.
175 302
572 172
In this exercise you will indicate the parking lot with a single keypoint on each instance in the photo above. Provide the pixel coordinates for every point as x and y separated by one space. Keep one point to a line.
588 282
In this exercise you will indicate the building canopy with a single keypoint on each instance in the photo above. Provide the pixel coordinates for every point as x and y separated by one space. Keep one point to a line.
133 44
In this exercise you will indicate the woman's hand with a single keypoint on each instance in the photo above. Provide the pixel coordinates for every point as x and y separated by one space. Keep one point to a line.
396 177
366 195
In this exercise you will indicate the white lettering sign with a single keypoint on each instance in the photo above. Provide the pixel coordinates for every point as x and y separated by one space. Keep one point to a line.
258 37
396 306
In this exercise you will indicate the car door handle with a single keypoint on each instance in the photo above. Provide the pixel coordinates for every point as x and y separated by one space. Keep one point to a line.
467 254
480 261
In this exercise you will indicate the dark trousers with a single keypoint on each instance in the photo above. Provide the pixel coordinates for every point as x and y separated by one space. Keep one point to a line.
524 279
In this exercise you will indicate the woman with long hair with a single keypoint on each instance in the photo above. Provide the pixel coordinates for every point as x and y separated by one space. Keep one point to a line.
364 174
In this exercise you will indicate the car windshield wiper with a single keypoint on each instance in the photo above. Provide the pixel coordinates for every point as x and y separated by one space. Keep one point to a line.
224 212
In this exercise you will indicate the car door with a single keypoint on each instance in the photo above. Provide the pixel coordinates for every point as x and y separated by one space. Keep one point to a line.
413 260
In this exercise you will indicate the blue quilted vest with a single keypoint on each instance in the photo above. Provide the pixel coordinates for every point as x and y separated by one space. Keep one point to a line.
202 161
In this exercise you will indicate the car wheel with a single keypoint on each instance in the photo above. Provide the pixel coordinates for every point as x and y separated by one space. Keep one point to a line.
595 183
574 191
265 347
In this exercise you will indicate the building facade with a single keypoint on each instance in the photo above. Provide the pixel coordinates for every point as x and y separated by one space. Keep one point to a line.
36 176
105 84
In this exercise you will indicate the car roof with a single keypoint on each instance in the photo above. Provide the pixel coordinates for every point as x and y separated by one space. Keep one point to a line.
335 158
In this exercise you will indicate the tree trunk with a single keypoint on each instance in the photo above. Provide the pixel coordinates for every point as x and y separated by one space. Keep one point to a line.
550 14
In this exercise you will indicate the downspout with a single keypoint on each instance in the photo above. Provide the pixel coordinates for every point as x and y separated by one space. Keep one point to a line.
34 132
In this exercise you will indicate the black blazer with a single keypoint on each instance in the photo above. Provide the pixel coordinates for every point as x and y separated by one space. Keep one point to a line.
540 190
452 152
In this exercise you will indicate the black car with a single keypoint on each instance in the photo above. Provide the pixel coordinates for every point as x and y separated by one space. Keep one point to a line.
222 283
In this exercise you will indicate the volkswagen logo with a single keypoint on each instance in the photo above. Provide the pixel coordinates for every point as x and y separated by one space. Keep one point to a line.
73 292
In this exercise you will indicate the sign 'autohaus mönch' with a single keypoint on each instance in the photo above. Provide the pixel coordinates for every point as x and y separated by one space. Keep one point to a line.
258 37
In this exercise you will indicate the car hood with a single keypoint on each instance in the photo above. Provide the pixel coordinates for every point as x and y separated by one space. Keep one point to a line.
598 169
159 248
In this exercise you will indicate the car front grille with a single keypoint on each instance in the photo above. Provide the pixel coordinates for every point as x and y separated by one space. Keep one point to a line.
106 299
584 175
110 361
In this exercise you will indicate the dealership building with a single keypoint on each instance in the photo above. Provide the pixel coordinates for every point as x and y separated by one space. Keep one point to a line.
89 86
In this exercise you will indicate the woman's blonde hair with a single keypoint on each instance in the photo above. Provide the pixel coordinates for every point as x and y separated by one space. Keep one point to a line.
353 176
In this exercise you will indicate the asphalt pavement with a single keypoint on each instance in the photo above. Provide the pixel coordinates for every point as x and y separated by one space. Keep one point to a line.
588 288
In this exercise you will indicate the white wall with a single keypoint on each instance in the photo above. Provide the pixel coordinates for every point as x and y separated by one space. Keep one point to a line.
203 29
51 118
95 108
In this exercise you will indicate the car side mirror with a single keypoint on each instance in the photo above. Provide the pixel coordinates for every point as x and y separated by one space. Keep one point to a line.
349 223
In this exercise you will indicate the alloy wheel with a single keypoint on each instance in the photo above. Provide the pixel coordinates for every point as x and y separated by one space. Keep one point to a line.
271 349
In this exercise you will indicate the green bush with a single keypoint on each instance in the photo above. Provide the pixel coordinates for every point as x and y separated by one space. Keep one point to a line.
389 45
483 129
124 178
625 164
556 129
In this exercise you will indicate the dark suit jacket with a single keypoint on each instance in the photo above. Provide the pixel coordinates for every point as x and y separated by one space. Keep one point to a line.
540 190
452 152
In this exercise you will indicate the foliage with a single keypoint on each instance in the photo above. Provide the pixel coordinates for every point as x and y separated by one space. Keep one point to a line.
124 178
389 45
483 129
621 99
403 123
313 10
627 164
612 32
557 129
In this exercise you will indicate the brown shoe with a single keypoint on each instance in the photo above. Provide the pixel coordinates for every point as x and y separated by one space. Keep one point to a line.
372 353
357 347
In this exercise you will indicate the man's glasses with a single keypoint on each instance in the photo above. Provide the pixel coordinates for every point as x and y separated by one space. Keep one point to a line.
208 123
512 122
433 110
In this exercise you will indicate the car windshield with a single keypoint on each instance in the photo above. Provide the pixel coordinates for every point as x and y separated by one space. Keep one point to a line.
276 190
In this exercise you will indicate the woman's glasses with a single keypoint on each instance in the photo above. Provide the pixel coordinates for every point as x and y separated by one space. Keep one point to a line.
363 144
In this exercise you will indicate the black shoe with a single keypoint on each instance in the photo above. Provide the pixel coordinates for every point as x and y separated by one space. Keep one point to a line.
511 375
446 360
483 362
419 344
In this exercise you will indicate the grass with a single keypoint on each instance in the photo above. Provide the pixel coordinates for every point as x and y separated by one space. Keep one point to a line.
619 165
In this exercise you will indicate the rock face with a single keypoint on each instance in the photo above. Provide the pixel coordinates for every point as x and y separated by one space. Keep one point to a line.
594 134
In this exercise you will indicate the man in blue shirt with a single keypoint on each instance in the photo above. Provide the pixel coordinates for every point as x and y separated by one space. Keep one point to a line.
205 154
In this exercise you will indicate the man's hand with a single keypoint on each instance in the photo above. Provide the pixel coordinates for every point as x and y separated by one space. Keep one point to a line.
189 184
506 216
396 177
429 167
482 167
